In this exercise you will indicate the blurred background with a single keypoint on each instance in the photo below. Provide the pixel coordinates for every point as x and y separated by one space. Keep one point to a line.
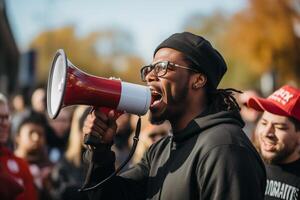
260 39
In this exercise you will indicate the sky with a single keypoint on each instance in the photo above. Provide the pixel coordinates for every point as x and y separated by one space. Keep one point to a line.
148 21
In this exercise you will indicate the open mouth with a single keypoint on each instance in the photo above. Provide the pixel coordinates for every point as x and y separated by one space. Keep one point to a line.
156 99
269 146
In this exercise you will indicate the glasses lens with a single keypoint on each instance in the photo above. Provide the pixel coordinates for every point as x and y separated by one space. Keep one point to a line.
145 71
160 68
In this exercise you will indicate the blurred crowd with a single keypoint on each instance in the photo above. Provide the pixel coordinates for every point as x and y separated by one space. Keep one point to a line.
50 150
41 158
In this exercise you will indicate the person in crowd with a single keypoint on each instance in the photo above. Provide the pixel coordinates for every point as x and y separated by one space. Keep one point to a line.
59 137
19 111
249 115
56 145
149 135
31 145
277 138
38 100
121 145
156 132
10 189
208 156
14 171
68 174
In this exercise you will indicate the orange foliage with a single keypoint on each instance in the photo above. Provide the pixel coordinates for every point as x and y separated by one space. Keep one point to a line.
83 53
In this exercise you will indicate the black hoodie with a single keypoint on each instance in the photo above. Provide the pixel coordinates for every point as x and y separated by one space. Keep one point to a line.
211 159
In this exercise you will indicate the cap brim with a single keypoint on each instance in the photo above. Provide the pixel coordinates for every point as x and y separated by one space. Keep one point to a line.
261 104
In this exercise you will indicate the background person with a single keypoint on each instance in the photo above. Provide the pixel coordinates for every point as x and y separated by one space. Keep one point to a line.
58 139
14 167
277 138
149 135
31 145
68 174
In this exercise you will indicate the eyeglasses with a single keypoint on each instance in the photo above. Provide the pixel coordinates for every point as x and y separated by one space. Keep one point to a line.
160 69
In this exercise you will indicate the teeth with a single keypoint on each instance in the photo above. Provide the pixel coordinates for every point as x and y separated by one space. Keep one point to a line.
156 97
155 93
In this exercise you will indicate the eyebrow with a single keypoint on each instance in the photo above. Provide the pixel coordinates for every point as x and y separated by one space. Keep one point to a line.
277 123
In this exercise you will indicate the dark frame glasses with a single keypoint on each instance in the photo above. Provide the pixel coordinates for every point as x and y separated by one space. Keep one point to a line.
160 69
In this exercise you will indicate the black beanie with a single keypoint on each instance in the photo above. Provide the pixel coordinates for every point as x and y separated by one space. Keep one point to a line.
204 57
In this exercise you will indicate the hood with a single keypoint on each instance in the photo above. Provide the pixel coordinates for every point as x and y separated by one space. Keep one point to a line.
206 121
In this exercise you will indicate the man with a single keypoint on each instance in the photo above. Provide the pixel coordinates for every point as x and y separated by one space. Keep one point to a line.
207 157
277 138
15 169
31 145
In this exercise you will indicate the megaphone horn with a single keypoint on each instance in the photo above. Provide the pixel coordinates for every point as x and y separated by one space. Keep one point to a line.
68 85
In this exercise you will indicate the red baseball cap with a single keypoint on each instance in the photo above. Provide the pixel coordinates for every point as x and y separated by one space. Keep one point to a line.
284 101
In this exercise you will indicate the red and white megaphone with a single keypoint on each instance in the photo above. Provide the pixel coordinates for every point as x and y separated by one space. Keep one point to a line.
67 85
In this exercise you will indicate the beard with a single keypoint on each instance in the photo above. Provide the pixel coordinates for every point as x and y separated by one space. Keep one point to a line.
172 110
157 119
279 156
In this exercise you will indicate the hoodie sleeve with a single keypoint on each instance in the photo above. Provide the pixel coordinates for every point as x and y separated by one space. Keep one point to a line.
130 185
230 172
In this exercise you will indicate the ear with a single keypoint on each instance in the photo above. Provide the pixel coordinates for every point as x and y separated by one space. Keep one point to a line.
199 80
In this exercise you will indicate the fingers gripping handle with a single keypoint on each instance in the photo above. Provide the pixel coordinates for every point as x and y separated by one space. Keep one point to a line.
93 140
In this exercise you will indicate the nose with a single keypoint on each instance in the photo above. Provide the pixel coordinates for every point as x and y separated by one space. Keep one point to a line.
35 136
151 77
269 131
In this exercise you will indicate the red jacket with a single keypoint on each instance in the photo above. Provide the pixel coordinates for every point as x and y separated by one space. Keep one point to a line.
19 170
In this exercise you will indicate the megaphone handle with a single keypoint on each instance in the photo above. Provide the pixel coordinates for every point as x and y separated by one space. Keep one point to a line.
93 140
84 188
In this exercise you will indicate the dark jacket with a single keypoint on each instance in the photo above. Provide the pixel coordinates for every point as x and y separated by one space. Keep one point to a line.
211 159
66 180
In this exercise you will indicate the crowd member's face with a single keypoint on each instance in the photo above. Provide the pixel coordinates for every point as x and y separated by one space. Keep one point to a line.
170 92
18 103
277 139
31 138
61 124
4 123
38 100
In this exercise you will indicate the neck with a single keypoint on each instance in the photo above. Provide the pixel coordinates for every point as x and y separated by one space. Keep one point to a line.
292 158
189 109
31 157
19 153
180 123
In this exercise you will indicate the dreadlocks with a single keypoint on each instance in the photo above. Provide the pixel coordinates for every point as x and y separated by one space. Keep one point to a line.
222 99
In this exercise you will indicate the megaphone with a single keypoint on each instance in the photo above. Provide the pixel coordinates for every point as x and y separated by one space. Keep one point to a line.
68 85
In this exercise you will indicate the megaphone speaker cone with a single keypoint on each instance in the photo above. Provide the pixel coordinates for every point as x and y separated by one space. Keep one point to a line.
56 84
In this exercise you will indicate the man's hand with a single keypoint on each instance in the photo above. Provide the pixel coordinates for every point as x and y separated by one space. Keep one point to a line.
101 125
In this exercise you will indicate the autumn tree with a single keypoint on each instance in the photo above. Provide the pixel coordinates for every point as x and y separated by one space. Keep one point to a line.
263 37
102 53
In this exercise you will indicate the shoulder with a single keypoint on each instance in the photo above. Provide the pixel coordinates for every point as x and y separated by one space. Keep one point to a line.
224 135
226 141
19 161
232 159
